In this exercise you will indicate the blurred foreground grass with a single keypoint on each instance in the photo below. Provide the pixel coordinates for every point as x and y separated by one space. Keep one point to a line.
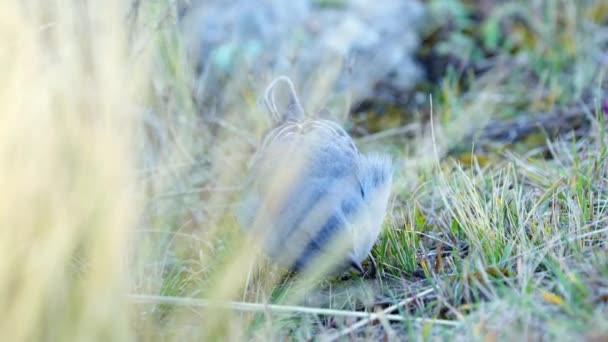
116 181
67 96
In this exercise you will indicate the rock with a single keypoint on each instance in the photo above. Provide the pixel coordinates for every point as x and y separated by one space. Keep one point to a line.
361 48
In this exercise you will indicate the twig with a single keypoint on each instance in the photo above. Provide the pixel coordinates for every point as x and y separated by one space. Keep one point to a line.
260 307
554 122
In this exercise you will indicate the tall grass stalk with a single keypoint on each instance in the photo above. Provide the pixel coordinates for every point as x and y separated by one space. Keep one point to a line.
68 95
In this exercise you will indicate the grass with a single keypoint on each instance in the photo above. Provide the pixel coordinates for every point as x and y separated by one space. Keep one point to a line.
119 184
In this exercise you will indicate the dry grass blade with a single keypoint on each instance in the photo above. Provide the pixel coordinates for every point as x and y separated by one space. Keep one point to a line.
391 132
290 309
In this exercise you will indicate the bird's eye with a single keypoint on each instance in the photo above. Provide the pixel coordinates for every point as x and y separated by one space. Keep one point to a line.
362 191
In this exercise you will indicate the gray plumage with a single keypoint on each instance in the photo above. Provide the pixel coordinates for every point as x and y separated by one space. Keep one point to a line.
309 186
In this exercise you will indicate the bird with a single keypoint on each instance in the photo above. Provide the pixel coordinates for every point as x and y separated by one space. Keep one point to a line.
311 195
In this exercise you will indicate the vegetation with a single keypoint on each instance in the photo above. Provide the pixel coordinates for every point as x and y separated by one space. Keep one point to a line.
118 184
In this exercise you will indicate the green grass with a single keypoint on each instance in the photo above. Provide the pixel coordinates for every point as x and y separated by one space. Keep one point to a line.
505 238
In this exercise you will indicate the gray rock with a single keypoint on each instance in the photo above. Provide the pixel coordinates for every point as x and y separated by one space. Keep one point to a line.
362 48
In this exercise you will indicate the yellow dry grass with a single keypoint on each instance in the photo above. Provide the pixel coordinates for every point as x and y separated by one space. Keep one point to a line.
67 95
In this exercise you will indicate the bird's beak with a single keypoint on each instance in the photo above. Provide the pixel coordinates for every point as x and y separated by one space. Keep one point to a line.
357 265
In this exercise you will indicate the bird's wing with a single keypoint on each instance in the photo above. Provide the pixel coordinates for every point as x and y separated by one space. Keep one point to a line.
307 175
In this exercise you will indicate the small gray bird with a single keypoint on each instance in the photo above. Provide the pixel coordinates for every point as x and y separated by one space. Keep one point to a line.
310 193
